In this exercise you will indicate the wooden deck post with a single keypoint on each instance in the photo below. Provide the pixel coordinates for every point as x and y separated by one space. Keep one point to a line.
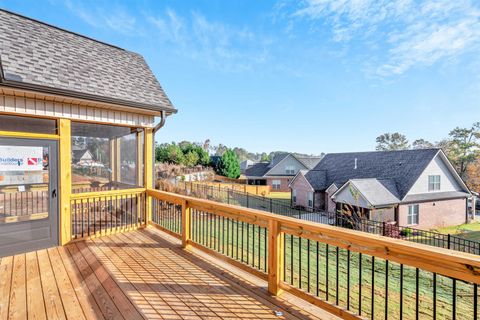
148 172
185 224
65 180
275 257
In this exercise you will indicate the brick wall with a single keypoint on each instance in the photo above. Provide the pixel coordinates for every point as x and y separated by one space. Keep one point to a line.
436 214
302 187
284 184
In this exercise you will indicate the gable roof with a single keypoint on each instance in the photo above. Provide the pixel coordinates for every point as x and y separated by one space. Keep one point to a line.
40 57
375 192
277 158
309 162
396 170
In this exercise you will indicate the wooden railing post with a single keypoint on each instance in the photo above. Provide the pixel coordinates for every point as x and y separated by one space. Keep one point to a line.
65 180
185 224
275 257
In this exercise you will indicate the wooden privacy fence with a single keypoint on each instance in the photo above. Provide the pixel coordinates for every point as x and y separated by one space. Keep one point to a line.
349 273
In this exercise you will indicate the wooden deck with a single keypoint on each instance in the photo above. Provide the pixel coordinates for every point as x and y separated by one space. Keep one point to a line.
136 275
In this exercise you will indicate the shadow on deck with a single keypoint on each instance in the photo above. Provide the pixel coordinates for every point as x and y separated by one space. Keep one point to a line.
136 275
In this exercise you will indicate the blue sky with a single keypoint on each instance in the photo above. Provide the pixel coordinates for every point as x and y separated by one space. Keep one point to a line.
305 76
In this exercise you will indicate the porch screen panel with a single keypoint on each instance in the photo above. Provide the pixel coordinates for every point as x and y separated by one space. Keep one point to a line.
106 157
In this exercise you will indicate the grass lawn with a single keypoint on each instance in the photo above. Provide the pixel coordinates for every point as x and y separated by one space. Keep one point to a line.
469 231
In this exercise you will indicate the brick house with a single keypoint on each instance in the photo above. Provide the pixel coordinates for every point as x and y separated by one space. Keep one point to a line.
418 188
279 172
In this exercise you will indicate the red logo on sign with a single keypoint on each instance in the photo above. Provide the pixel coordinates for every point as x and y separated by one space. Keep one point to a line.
32 161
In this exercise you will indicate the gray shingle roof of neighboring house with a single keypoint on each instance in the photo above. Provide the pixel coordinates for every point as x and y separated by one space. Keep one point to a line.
277 158
40 57
435 196
309 162
257 169
397 171
375 191
316 178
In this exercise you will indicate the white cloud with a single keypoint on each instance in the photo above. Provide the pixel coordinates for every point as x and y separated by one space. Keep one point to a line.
411 33
115 18
221 46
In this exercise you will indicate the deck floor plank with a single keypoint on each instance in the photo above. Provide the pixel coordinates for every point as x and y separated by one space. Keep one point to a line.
53 301
152 301
6 271
142 274
68 295
35 300
107 306
85 298
18 293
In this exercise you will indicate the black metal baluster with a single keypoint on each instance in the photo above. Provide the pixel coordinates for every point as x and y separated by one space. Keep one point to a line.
242 251
336 275
475 301
291 259
308 265
360 284
237 237
372 308
386 289
265 239
416 293
434 296
454 299
300 262
248 243
401 291
317 271
326 272
348 279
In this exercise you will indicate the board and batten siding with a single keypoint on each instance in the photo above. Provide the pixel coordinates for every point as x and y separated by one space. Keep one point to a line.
45 108
436 167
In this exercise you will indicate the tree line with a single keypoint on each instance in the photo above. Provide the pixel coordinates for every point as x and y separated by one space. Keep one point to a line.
462 147
194 154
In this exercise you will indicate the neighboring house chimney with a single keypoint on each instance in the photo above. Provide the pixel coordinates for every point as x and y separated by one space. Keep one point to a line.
355 164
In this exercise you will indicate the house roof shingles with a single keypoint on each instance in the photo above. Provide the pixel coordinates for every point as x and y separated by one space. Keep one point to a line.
257 169
396 170
36 55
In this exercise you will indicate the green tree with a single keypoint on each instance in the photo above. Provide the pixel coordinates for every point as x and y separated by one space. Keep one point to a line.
391 141
463 147
422 144
228 165
191 159
264 157
169 153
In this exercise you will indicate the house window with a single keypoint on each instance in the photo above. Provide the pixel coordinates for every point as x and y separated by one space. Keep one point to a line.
434 183
294 196
412 217
290 170
276 184
310 199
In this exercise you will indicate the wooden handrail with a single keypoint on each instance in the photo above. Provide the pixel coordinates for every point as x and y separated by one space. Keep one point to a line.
458 265
108 193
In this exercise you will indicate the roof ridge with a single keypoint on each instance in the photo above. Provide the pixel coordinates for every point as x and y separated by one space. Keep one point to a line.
386 151
64 30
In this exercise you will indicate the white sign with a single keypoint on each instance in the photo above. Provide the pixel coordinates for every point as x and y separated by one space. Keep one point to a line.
14 158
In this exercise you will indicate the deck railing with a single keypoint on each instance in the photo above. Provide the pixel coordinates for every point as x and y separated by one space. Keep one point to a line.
97 213
349 273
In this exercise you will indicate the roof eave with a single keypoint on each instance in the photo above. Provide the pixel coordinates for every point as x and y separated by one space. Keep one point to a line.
80 95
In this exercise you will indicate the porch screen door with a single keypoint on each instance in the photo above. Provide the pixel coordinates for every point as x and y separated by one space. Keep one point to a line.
28 195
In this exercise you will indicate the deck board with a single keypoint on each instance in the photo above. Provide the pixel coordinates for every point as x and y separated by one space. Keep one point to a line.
141 274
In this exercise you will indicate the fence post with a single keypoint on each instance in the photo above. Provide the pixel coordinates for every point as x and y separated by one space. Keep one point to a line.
228 197
185 224
384 232
248 201
448 238
271 207
275 257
